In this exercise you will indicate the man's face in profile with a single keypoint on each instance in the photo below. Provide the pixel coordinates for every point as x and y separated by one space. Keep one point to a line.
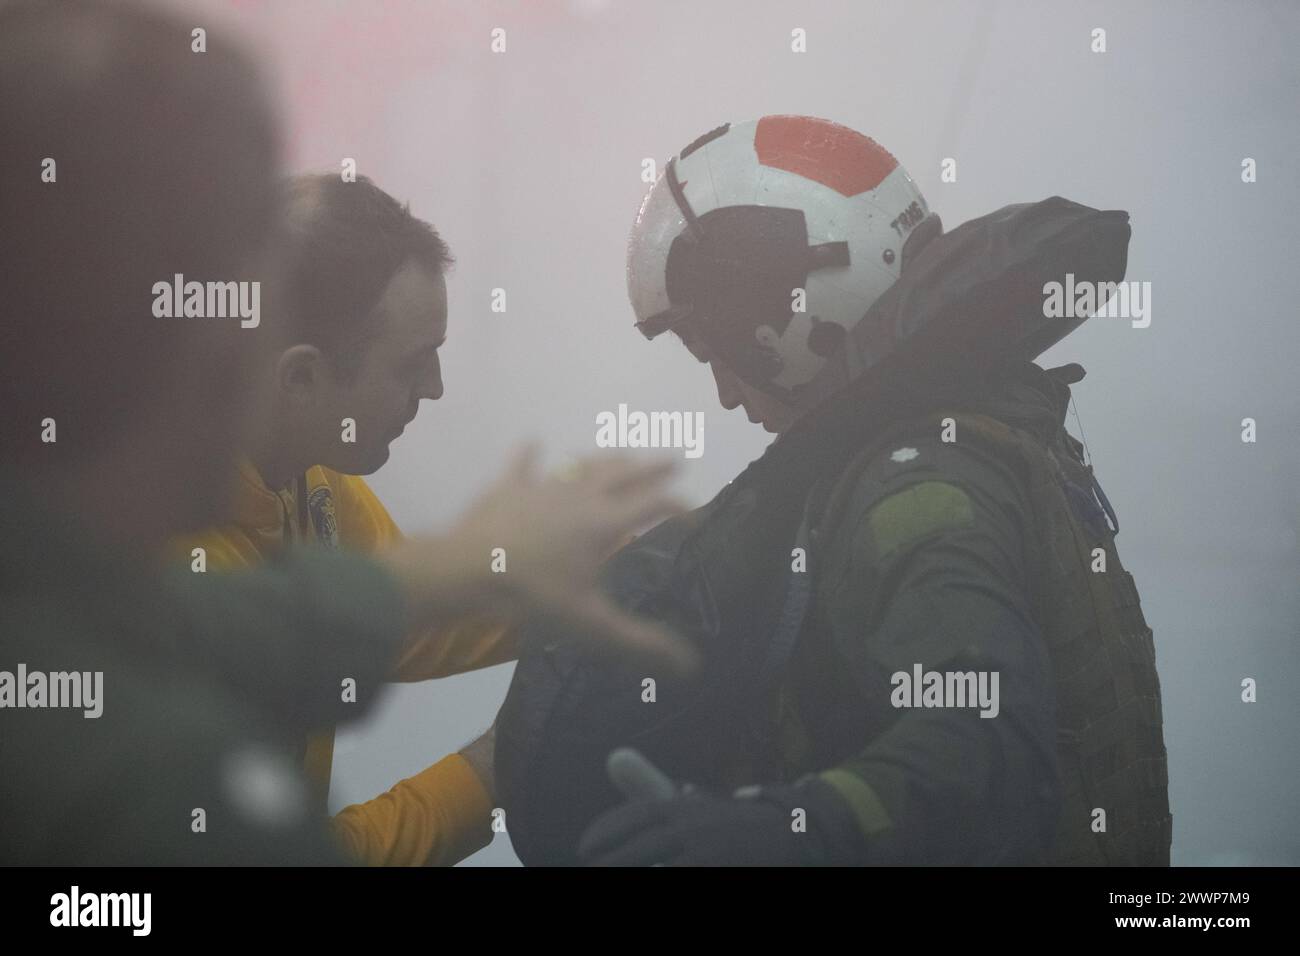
398 368
735 392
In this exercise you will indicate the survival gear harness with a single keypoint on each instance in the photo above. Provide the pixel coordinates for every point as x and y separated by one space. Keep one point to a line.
1109 730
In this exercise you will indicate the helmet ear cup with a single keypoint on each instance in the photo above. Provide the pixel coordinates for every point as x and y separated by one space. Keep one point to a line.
826 338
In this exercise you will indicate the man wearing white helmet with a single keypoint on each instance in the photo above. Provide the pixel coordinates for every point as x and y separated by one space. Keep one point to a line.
782 232
921 645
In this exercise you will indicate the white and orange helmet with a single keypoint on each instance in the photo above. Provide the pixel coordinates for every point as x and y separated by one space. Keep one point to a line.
751 213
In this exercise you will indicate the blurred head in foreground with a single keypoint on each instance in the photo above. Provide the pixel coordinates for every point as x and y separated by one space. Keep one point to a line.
129 159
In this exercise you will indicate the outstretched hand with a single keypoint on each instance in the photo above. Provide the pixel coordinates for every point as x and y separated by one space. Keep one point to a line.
534 546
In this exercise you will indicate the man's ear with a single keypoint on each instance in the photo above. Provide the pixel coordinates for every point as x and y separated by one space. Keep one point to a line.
300 371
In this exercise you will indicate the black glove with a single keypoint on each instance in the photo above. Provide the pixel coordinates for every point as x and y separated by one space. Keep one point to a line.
804 824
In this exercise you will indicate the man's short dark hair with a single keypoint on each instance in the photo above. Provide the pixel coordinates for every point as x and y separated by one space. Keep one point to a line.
347 240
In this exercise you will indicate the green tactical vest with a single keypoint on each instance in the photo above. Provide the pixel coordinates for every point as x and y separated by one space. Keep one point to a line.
1110 742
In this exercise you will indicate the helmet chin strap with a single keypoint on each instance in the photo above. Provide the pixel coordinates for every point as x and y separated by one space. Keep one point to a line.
678 314
693 229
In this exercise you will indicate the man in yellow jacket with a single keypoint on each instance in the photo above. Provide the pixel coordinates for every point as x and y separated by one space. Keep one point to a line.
367 300
442 814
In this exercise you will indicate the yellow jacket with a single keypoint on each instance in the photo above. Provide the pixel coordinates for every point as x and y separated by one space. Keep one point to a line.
442 814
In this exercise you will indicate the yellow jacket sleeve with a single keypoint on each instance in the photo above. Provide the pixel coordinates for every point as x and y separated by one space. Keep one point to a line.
464 645
436 818
443 814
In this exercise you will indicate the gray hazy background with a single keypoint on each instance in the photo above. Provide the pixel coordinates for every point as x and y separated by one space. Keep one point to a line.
529 164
